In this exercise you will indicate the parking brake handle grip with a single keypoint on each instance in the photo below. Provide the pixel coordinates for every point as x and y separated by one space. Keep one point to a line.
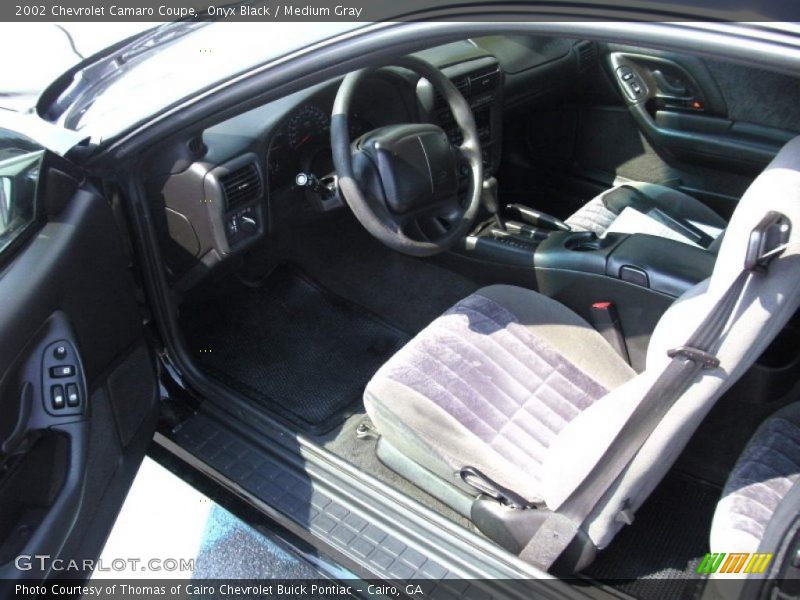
538 218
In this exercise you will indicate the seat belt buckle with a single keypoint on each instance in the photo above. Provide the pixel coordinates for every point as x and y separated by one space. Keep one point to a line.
605 319
705 359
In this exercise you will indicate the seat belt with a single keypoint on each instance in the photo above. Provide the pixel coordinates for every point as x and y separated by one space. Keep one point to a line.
767 241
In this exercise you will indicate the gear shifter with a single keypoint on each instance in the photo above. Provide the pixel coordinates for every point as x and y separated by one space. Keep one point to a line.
538 218
489 199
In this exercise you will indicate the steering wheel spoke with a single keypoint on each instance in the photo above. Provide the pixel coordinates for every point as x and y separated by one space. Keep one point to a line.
440 219
450 210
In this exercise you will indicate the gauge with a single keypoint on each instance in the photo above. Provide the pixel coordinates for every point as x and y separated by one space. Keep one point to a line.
306 124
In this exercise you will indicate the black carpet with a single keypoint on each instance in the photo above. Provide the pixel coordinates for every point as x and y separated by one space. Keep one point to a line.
345 259
656 557
302 352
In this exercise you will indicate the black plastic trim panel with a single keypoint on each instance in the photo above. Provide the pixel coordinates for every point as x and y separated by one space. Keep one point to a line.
347 518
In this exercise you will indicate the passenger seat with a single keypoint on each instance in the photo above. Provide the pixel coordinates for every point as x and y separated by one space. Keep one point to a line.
665 208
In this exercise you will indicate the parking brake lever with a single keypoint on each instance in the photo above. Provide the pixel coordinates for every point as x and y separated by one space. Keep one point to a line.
538 218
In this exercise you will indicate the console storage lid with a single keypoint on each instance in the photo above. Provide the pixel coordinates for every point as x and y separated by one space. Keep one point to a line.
663 265
659 264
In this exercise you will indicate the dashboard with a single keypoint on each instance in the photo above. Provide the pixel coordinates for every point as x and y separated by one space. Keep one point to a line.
301 141
217 192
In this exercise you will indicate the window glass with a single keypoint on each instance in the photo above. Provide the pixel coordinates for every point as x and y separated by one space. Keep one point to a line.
20 161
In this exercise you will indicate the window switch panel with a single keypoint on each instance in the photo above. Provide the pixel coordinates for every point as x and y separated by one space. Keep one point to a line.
63 387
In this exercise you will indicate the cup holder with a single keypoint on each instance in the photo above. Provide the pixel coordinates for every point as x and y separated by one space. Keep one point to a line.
587 241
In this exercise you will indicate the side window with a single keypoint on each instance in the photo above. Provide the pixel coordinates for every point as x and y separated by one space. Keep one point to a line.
20 160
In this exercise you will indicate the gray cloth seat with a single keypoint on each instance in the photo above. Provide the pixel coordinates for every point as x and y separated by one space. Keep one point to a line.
766 471
518 386
488 385
686 213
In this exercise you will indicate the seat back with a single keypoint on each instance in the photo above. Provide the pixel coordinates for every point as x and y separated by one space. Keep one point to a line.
767 303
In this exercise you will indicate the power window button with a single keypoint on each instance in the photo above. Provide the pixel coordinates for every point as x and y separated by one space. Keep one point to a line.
57 396
73 397
62 371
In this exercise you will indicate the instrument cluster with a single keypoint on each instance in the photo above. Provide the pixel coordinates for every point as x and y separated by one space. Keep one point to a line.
302 144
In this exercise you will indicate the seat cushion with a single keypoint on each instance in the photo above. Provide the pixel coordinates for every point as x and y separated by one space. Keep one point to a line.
768 468
598 214
490 383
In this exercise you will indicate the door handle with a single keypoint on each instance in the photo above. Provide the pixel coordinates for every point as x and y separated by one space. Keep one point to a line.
675 87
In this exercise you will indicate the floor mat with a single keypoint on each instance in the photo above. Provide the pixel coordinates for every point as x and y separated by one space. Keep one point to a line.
406 291
302 352
656 557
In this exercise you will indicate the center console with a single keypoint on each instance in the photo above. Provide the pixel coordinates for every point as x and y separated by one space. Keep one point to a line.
640 275
654 263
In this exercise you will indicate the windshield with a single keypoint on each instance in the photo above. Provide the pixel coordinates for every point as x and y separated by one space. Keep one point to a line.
46 50
145 80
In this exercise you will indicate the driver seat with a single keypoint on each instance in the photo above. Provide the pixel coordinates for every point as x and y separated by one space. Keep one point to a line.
509 399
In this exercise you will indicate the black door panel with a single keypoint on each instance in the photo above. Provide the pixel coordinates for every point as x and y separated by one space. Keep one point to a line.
701 126
574 152
758 96
681 109
78 391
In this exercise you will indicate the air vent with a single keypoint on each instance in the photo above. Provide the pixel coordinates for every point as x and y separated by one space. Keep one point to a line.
587 55
241 185
462 83
485 80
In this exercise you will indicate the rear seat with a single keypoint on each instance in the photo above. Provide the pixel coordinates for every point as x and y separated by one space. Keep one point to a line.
760 502
766 471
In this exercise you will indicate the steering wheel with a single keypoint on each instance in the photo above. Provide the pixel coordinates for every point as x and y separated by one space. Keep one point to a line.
403 178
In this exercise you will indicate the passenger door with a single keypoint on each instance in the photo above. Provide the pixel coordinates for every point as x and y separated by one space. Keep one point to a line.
706 115
706 127
78 386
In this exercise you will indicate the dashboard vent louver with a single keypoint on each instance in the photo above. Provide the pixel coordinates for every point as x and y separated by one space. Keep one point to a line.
587 54
462 83
485 80
241 185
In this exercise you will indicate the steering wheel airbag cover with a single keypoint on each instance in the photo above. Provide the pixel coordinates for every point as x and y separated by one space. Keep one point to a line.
415 163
